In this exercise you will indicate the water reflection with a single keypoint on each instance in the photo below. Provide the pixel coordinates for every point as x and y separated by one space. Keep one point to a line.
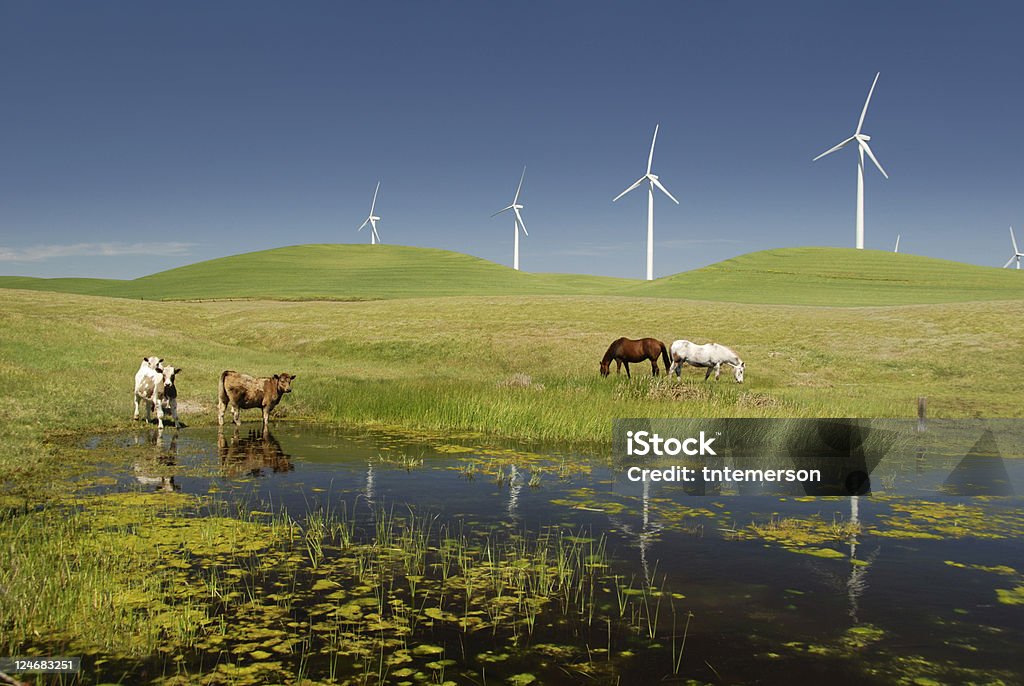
152 470
253 454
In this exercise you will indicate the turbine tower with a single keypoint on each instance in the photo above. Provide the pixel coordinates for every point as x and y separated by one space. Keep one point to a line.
1017 254
372 220
652 180
517 221
897 248
862 147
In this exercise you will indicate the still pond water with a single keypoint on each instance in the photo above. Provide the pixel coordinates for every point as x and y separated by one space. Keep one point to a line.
763 588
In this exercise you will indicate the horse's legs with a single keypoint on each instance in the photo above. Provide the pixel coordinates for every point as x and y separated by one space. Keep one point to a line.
627 370
654 366
618 366
710 369
718 370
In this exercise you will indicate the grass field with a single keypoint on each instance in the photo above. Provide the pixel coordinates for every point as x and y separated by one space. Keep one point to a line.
518 360
791 276
521 367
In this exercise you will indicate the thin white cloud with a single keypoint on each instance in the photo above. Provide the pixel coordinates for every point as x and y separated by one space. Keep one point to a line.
42 252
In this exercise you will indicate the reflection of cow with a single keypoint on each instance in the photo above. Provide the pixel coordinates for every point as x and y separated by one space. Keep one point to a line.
153 471
252 454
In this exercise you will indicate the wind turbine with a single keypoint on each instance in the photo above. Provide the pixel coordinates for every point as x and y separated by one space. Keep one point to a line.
652 180
897 248
372 220
862 147
517 222
1017 254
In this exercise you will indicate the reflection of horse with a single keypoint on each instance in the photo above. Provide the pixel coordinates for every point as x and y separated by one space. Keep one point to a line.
252 454
625 350
148 470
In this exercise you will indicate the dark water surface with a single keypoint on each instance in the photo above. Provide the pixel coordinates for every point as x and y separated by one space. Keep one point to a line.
912 596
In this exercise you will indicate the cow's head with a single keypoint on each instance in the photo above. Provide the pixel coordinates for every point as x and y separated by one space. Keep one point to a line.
153 362
169 373
284 381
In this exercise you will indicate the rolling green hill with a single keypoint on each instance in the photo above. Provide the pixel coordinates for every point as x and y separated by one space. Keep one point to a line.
796 276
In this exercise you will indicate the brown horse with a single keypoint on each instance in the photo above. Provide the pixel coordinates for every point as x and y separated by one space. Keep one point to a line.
625 350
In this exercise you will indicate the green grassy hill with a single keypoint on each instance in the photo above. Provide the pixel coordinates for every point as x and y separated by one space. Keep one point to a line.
797 276
840 276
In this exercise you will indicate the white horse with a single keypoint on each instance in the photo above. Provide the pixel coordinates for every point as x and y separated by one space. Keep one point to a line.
710 355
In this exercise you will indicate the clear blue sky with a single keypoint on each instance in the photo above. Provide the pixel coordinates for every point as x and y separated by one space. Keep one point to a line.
135 137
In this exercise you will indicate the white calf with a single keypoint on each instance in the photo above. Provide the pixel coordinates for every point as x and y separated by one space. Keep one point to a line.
155 388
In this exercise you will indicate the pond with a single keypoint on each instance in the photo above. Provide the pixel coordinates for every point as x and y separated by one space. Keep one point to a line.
405 559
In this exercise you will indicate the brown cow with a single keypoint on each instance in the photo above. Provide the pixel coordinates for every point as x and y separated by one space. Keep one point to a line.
243 392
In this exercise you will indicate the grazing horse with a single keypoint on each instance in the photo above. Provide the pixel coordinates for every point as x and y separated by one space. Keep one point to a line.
625 350
710 355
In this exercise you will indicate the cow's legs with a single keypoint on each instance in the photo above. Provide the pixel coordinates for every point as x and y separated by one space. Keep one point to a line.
236 415
174 413
266 417
158 405
220 412
135 417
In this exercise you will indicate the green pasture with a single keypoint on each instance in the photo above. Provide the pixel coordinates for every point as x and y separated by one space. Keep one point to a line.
791 276
524 367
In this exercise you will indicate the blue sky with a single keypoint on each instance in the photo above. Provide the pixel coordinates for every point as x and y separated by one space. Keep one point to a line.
135 137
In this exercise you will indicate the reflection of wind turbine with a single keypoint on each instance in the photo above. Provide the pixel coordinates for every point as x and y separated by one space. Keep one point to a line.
653 181
862 147
517 223
372 220
897 248
1017 254
515 485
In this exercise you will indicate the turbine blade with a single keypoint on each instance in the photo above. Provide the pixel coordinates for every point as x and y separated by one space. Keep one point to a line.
520 187
364 224
633 187
375 234
650 158
519 217
374 203
1014 241
865 110
664 190
504 209
1009 262
831 150
867 149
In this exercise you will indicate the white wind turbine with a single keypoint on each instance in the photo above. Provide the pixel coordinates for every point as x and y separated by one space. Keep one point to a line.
517 222
897 248
652 180
862 147
1017 254
372 220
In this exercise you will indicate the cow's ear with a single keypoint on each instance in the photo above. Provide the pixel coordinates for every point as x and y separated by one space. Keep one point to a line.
177 370
276 377
293 376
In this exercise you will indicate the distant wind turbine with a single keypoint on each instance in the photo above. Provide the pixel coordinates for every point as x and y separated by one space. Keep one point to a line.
862 147
897 248
1017 254
652 180
517 222
372 220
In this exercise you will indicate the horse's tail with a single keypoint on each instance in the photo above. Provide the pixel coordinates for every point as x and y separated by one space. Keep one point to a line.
664 356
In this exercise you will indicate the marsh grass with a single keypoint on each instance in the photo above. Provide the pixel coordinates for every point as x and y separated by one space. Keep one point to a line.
229 593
